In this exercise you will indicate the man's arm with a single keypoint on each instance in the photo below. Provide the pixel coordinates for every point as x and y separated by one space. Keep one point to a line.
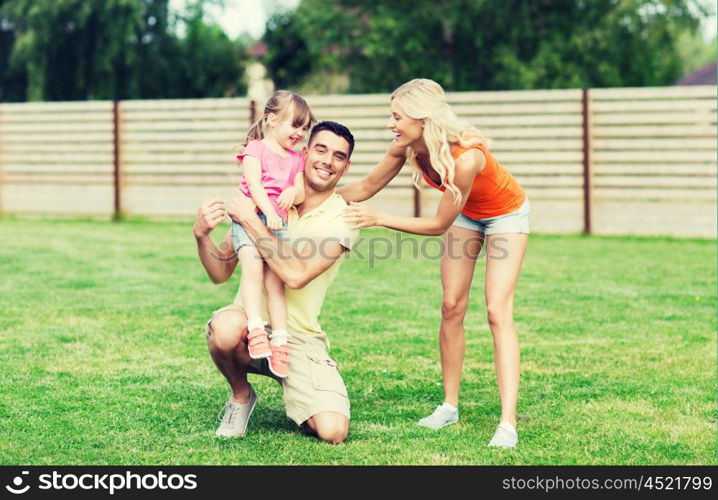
293 268
219 263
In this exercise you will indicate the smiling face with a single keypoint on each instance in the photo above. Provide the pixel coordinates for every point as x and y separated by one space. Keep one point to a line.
406 130
289 132
326 159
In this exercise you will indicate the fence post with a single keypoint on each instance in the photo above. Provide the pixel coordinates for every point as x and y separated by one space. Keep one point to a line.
252 111
117 170
587 163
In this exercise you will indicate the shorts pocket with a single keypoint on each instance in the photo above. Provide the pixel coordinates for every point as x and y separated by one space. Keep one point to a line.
325 375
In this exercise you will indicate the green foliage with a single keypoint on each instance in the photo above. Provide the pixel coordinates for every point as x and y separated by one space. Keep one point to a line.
104 359
113 49
489 44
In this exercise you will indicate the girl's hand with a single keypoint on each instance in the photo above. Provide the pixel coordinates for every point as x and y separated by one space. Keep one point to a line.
286 198
359 216
274 222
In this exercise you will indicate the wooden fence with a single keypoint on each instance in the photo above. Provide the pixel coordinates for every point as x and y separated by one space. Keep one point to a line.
605 161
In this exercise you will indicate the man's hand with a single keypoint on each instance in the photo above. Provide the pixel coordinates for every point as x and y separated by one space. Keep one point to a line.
241 209
286 198
209 215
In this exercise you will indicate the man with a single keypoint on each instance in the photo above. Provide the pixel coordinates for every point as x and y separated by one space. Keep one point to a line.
314 393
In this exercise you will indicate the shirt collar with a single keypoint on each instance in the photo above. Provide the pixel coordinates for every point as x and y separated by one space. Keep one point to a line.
322 208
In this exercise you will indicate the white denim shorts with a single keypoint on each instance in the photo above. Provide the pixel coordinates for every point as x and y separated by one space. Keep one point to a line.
516 222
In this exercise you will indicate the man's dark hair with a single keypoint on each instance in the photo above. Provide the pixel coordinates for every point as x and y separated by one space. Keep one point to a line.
335 128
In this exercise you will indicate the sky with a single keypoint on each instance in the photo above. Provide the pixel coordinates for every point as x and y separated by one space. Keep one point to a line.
241 16
250 16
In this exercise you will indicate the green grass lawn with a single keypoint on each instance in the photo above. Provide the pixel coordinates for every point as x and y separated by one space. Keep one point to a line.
104 358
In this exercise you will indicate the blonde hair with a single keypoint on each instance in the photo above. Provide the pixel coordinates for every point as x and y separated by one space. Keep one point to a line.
423 99
286 105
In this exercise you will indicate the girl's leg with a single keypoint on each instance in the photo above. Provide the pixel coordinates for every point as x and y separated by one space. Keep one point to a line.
277 305
461 248
250 287
505 253
250 283
276 302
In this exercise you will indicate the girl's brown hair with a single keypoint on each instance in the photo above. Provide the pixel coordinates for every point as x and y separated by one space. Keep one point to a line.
285 104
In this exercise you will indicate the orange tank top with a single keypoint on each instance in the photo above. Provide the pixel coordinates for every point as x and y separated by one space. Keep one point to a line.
494 191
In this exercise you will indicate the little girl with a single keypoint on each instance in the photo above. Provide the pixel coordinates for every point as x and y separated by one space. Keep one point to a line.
273 179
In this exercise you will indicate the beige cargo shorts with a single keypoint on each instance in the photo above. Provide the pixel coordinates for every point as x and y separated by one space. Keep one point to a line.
314 384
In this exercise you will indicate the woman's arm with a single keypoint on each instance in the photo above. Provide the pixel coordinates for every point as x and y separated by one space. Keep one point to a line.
384 172
468 165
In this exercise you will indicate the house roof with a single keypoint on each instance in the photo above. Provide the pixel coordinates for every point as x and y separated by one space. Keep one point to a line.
704 76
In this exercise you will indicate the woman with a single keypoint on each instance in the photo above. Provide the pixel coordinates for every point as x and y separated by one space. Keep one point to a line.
482 204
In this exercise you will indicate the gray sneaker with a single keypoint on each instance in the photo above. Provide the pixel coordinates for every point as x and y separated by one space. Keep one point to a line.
236 417
505 437
441 417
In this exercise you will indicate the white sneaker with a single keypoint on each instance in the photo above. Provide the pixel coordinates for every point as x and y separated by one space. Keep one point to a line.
505 436
441 417
236 417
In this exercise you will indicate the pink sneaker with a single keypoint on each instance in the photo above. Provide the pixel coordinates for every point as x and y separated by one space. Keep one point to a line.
258 344
279 361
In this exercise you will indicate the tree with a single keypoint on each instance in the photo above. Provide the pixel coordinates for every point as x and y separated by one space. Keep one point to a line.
113 49
488 44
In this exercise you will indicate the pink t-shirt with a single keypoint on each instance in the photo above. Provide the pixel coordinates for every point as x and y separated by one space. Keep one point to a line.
278 172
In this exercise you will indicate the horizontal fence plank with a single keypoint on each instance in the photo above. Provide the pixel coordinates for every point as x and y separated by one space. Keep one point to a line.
551 193
31 128
521 132
692 143
632 105
549 181
696 117
183 104
131 136
78 148
227 125
55 137
654 131
634 193
702 169
539 108
191 115
58 157
52 107
673 182
666 156
59 118
527 120
225 148
514 95
679 92
348 100
76 178
56 167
